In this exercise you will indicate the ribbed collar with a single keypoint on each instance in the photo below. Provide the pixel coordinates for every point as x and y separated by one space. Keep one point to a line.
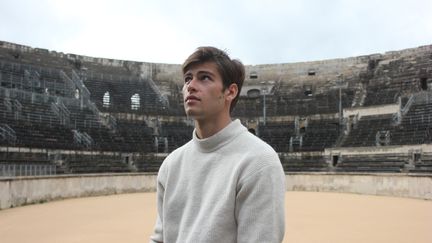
219 139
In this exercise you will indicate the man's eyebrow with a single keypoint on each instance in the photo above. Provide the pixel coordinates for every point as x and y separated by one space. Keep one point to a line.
200 72
206 72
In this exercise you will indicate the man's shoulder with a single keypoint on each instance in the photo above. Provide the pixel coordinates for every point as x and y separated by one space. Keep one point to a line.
255 154
258 157
255 144
178 152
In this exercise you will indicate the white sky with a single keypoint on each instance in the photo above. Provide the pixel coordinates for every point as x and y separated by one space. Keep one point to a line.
255 31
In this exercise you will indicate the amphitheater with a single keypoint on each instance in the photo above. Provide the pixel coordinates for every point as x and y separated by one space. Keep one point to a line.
77 126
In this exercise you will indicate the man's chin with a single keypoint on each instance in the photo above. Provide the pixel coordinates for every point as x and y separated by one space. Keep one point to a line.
193 114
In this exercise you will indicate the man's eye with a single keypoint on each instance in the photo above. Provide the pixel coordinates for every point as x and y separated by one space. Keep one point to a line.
205 77
187 79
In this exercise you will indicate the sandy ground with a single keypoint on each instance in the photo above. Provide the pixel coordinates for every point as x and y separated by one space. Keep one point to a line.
310 217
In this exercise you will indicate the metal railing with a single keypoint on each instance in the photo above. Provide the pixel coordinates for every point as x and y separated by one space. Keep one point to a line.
12 170
407 106
61 111
7 133
82 138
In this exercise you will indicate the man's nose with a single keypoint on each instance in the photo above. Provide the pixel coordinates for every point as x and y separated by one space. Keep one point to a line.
191 85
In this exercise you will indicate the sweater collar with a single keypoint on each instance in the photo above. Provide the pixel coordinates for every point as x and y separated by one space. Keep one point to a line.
219 139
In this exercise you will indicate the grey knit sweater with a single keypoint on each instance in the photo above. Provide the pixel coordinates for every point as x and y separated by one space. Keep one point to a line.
227 188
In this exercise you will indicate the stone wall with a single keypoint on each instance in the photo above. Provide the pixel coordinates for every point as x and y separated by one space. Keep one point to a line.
28 190
326 71
395 185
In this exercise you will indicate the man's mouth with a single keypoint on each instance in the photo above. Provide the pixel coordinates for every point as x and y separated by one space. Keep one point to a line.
192 98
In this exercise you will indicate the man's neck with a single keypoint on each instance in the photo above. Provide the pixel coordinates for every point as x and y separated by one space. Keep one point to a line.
208 128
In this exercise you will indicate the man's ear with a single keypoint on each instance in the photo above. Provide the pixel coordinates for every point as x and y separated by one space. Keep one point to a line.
231 92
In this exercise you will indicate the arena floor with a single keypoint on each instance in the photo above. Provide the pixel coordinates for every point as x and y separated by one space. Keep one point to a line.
310 216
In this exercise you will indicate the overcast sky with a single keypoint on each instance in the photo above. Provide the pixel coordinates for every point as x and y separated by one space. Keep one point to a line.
255 31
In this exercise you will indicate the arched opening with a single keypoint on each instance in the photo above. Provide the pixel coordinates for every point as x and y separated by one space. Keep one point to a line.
302 130
106 100
335 160
423 84
135 102
253 93
251 130
307 90
311 72
77 94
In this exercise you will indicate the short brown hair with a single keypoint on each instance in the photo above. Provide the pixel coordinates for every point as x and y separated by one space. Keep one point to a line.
231 70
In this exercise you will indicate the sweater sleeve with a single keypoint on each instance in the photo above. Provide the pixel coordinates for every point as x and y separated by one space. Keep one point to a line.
260 205
157 236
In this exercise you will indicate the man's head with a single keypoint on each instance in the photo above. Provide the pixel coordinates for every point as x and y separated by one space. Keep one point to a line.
231 71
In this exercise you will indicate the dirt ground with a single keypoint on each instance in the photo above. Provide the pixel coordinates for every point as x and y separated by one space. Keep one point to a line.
311 217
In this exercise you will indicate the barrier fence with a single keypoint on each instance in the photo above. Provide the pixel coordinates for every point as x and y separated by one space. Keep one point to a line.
12 170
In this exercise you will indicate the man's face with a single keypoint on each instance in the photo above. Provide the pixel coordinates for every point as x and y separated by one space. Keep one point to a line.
203 93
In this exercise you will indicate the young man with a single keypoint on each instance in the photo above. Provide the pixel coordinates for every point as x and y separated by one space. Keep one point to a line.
225 185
